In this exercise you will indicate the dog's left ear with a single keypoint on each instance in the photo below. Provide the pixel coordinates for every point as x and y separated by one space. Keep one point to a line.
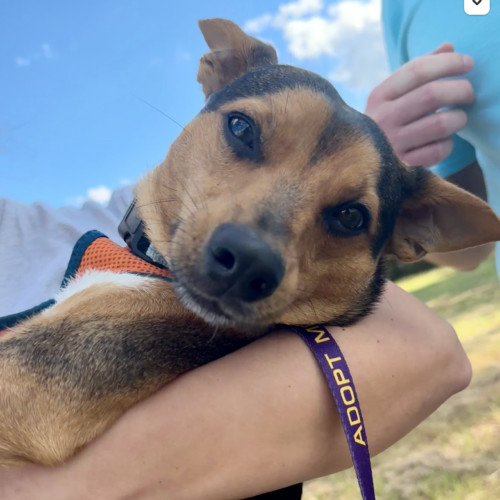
441 217
232 54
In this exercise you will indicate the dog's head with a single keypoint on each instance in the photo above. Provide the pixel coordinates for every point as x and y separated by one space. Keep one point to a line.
278 201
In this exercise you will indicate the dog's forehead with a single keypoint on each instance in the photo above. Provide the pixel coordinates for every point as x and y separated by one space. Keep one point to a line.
267 80
274 79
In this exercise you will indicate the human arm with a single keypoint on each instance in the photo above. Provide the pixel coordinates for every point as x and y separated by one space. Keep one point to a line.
408 107
262 417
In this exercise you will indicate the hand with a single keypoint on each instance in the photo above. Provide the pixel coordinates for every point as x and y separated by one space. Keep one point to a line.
406 105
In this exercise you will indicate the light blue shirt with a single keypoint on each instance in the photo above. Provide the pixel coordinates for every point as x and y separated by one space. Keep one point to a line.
416 27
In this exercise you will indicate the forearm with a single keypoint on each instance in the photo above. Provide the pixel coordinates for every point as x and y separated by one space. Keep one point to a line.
263 417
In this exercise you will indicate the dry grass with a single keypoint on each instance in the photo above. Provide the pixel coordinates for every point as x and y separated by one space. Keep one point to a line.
454 454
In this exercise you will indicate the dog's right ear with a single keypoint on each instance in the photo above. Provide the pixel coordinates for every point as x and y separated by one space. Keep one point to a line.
440 217
232 54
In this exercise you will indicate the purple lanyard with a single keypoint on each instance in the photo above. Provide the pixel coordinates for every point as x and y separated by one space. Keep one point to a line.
334 366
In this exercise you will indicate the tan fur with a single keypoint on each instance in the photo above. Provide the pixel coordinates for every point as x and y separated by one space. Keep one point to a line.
206 173
230 52
67 375
444 218
55 420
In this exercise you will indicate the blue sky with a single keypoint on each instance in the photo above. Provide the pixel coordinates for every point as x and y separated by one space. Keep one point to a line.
76 78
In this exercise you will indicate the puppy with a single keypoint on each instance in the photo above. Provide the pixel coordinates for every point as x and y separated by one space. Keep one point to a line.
276 204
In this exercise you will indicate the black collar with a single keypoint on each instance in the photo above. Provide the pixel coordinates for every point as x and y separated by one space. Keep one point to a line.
131 229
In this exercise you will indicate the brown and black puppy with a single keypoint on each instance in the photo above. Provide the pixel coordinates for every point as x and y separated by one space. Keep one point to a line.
276 204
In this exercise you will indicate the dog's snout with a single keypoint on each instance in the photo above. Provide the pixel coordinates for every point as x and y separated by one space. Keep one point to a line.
242 264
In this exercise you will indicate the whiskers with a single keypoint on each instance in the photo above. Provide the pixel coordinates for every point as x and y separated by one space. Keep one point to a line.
212 338
175 207
152 106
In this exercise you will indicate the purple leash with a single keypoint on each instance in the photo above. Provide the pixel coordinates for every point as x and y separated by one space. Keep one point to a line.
341 384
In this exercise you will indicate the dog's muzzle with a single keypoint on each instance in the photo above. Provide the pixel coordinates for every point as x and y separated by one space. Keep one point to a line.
238 263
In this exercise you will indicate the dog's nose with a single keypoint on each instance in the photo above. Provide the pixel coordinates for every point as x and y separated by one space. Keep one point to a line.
242 264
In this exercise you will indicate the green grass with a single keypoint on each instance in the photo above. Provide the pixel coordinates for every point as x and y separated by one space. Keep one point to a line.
455 453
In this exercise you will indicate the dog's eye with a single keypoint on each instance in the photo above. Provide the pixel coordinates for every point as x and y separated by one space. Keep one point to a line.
242 135
348 219
242 130
351 218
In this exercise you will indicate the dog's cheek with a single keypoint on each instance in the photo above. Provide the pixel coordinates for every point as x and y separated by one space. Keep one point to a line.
331 291
348 289
187 243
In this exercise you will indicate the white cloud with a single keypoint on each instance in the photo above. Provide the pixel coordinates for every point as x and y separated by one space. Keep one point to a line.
47 51
310 38
349 32
285 12
300 8
124 181
356 13
182 55
99 194
77 200
44 52
22 62
257 24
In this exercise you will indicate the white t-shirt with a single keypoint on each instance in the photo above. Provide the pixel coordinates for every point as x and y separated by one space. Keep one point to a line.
36 242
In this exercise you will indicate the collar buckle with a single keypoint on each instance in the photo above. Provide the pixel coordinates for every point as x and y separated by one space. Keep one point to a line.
131 229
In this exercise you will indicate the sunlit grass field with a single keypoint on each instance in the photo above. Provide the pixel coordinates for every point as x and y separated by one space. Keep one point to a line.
454 454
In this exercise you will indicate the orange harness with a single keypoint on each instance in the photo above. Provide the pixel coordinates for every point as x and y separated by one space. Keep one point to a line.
93 251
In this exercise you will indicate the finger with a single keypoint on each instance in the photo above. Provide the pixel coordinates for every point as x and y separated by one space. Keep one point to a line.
429 129
430 154
431 97
443 48
423 70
